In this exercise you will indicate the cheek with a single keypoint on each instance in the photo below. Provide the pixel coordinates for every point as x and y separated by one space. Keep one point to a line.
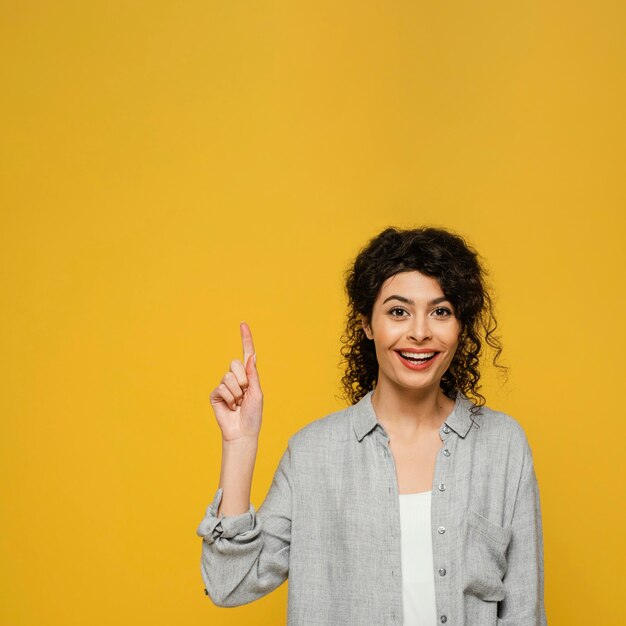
453 342
383 342
455 335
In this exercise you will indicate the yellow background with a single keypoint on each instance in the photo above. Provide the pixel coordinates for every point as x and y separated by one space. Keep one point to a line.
170 168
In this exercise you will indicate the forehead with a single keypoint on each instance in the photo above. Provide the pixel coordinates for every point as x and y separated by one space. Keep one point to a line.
411 284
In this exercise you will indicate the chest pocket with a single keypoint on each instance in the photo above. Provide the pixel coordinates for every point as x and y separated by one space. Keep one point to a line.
484 557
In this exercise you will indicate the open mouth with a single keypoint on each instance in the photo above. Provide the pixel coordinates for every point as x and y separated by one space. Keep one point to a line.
417 358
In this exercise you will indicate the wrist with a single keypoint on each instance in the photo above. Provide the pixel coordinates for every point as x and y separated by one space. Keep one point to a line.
241 444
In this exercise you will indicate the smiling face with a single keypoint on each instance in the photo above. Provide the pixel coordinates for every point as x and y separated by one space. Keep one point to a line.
415 333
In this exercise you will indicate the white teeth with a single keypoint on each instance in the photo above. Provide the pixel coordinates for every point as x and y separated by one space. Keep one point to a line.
415 356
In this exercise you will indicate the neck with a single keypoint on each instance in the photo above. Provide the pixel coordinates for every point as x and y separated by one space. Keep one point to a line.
408 411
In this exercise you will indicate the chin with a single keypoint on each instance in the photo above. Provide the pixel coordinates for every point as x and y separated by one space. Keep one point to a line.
421 386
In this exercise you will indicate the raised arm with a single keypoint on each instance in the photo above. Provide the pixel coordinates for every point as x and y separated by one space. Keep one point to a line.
244 554
238 406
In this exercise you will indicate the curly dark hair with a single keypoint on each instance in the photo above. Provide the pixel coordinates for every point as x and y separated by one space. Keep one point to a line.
436 253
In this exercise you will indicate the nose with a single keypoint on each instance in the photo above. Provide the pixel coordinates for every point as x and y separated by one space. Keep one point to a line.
420 330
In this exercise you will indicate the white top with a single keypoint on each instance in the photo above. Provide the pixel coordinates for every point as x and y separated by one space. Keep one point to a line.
418 579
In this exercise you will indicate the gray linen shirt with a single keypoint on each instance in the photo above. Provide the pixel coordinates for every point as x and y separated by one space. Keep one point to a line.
331 522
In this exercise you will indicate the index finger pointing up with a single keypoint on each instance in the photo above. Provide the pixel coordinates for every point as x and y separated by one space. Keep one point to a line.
246 341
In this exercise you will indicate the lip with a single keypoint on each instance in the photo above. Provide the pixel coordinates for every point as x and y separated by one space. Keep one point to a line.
416 350
414 366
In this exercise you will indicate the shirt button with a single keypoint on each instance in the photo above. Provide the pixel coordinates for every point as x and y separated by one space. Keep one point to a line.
443 619
446 452
446 429
441 530
442 571
206 593
442 487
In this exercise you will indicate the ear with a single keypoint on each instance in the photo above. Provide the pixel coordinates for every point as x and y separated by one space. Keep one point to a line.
366 327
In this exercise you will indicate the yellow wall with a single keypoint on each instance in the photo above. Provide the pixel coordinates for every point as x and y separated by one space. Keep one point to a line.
170 168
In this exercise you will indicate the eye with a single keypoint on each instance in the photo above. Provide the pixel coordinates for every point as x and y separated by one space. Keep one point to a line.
398 312
442 311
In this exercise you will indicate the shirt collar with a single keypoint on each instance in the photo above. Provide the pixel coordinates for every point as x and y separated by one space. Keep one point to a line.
364 418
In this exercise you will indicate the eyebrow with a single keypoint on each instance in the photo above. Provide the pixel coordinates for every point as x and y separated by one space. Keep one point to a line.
409 301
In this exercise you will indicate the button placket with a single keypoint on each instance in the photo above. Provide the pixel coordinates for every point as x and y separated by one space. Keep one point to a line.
443 478
385 453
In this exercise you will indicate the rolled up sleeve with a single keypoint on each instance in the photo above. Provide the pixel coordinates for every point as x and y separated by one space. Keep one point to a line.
246 556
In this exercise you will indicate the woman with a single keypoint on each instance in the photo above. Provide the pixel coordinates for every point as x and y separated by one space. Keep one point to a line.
416 505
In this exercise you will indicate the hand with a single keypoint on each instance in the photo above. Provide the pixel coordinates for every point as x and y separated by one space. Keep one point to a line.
238 400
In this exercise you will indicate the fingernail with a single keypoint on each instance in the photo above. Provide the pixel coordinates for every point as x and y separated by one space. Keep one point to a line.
254 358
